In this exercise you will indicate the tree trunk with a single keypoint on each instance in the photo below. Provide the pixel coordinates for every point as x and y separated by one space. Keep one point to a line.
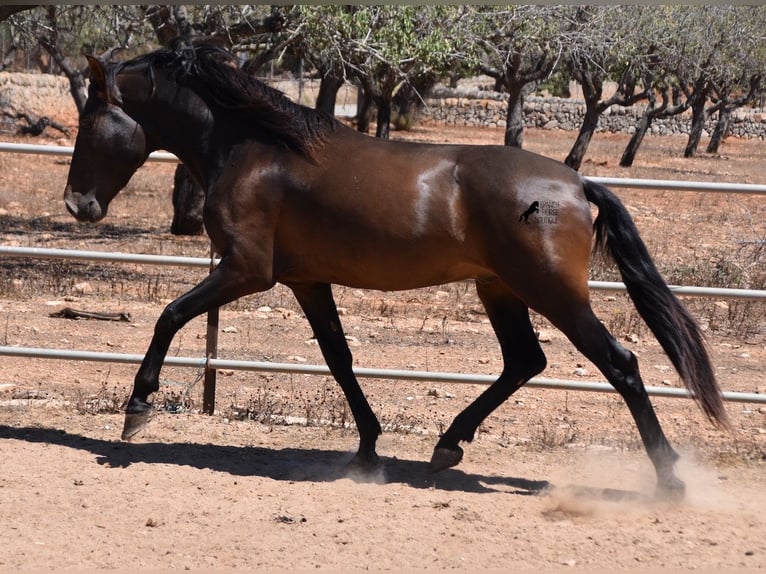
514 123
721 129
635 140
592 94
580 147
328 93
363 110
76 81
383 129
698 125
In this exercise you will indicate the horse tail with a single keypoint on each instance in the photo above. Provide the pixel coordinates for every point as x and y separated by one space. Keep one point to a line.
670 322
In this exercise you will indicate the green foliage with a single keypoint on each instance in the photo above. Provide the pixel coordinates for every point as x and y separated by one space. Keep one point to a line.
373 41
402 42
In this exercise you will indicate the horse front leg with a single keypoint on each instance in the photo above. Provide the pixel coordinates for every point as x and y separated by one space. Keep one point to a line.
222 286
318 304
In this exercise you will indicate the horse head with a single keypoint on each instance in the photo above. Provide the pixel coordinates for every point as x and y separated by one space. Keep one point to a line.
110 144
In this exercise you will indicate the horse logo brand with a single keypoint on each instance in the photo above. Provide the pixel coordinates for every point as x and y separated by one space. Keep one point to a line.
547 213
534 208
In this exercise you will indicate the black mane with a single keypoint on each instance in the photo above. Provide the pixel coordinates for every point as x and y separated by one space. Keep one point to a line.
213 73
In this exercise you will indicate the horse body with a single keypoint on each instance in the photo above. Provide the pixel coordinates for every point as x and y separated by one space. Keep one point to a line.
430 229
296 198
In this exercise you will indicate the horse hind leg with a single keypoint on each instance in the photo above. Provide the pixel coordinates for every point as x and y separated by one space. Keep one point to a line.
620 367
522 359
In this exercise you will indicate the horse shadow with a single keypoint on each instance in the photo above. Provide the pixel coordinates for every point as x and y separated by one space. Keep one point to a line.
20 225
292 464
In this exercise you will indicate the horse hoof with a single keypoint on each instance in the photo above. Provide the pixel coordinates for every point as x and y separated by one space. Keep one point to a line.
671 489
444 458
134 422
365 468
364 464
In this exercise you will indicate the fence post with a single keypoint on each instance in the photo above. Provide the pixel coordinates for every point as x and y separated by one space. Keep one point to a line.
211 352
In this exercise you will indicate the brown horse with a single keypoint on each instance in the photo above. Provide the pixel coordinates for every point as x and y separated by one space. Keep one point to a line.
294 197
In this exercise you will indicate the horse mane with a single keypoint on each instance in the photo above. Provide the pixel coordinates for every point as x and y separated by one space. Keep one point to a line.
213 73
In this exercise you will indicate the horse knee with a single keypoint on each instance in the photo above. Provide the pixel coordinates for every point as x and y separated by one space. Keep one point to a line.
169 321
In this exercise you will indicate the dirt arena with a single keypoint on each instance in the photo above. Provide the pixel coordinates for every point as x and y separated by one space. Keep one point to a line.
555 480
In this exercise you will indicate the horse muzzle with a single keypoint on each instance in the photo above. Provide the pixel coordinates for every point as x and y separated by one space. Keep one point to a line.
82 207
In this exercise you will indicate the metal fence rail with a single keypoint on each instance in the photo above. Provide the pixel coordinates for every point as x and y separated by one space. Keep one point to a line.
665 184
117 257
421 376
63 150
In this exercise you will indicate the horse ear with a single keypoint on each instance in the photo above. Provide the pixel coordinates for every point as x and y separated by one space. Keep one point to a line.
99 77
97 72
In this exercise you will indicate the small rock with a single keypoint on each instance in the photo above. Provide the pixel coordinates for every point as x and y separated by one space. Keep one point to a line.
231 329
545 336
264 309
286 313
83 288
580 372
296 358
439 394
352 341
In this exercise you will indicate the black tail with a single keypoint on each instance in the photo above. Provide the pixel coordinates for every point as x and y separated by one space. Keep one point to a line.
672 325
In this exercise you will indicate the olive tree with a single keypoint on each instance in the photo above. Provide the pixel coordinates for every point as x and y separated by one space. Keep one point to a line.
709 57
520 46
741 81
605 42
382 48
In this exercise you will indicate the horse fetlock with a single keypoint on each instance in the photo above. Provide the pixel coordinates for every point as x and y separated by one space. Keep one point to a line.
137 405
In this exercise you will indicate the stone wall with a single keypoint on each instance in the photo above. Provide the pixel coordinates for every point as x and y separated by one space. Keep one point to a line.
485 108
39 94
44 94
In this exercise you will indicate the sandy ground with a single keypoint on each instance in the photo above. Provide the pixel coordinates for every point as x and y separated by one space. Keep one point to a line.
554 480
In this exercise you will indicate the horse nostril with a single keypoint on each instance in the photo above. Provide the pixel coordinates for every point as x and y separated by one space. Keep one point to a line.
91 211
81 209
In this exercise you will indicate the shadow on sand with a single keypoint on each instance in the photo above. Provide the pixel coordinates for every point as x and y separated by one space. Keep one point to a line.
294 464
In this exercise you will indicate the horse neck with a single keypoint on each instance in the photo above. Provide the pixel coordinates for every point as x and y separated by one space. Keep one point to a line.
178 121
